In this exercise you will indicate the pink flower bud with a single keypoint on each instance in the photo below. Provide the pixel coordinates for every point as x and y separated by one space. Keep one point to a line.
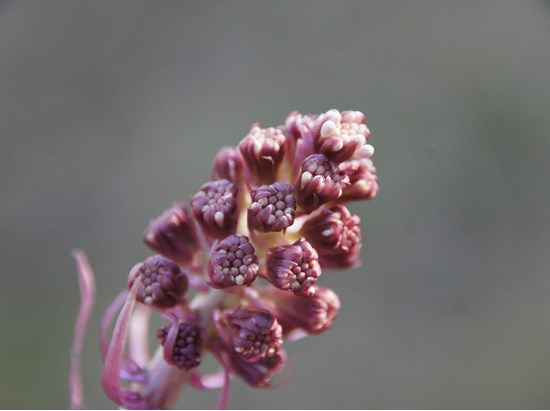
162 283
336 235
320 182
340 135
263 151
363 178
232 262
215 207
313 315
173 235
181 344
294 267
260 373
273 207
250 333
228 165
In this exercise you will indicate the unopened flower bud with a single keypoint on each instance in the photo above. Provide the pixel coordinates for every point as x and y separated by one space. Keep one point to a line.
250 333
363 178
263 151
162 282
320 182
294 267
173 235
313 315
341 135
181 344
232 262
215 207
273 207
336 235
228 165
259 373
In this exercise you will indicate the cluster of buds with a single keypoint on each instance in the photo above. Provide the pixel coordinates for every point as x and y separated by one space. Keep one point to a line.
236 272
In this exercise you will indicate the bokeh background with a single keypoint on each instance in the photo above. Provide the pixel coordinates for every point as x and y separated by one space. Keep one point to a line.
112 110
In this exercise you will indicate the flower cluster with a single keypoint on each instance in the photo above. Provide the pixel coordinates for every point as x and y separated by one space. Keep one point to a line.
236 271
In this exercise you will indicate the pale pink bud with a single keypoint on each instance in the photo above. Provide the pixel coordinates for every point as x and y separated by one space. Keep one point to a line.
363 178
250 333
273 207
336 235
232 262
181 344
215 207
340 135
263 151
319 182
294 267
173 235
162 282
313 315
228 165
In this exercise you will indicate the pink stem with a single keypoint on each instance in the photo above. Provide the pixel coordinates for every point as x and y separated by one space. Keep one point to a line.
87 295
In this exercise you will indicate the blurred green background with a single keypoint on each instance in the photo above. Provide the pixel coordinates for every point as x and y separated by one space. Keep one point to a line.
112 110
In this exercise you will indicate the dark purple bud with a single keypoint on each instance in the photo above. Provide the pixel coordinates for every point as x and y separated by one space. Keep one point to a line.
273 207
336 235
252 334
263 151
181 344
342 135
294 267
215 207
313 315
162 282
228 165
232 262
363 178
173 235
260 373
320 182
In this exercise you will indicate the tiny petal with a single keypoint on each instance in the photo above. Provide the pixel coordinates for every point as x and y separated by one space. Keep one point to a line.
320 182
336 235
294 267
232 262
162 283
173 235
259 373
181 344
273 207
251 334
215 207
313 315
263 151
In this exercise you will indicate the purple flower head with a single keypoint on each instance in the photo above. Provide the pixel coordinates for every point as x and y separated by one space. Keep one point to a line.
313 315
181 344
162 284
320 182
341 135
363 178
336 235
273 207
251 334
259 373
215 207
262 151
228 165
294 267
173 235
232 262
